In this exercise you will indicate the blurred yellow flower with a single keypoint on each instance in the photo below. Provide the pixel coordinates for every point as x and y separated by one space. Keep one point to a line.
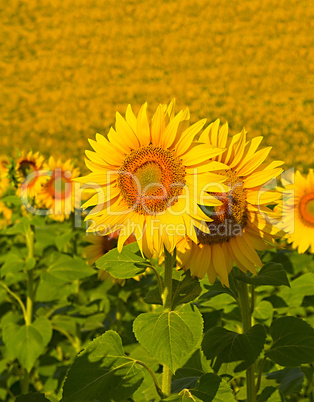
298 212
57 193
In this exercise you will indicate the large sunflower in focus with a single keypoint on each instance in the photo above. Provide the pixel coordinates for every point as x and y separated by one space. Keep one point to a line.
241 225
151 178
57 193
298 212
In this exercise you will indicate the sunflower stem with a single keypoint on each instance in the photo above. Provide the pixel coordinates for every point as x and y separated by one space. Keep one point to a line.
246 314
30 280
30 235
167 304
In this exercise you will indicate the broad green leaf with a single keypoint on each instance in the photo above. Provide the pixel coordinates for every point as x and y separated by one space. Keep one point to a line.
69 269
29 345
127 264
102 370
225 346
293 342
290 380
301 262
263 312
215 290
44 327
22 227
170 336
153 296
10 325
186 290
224 393
205 390
25 342
12 199
32 397
30 263
207 387
266 394
13 263
301 286
271 274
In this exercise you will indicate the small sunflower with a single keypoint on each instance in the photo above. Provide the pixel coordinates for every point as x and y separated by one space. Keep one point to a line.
27 172
151 178
241 224
298 212
57 193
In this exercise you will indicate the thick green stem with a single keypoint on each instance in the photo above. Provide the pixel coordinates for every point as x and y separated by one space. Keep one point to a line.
167 304
245 306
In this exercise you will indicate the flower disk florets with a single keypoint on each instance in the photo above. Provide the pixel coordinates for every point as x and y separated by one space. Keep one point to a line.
151 179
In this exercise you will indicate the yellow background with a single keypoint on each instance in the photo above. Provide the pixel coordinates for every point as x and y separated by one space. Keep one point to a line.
67 66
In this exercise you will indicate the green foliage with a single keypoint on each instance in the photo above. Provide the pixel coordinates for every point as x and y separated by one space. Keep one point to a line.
293 342
102 370
65 343
127 264
170 336
223 346
32 397
205 390
183 291
270 274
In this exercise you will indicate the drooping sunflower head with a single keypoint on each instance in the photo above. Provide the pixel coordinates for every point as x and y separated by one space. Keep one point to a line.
243 223
297 211
152 176
57 193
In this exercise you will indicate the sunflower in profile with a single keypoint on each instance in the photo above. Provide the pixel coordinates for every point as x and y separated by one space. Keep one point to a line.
57 193
297 211
27 173
242 223
151 178
100 245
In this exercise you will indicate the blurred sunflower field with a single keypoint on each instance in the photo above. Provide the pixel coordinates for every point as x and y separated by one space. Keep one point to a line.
95 307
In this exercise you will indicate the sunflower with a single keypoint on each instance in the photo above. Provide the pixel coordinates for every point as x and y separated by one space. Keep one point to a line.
57 193
100 245
151 178
4 170
242 223
27 164
298 212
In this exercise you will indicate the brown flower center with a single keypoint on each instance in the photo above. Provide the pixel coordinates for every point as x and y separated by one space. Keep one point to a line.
306 207
151 179
229 219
